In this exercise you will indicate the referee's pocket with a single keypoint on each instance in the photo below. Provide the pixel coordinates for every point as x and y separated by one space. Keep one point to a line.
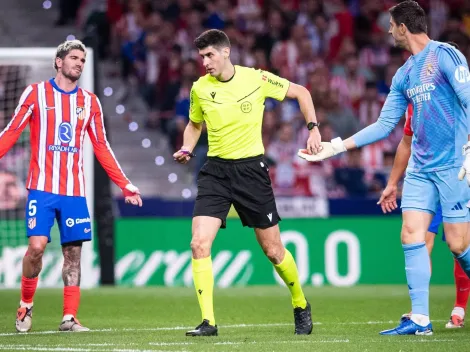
263 170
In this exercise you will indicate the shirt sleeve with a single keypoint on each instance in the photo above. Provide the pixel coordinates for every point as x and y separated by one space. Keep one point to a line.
20 119
392 111
273 86
454 67
195 111
101 147
409 114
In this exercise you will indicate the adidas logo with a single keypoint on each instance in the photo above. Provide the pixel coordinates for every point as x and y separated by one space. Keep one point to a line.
457 207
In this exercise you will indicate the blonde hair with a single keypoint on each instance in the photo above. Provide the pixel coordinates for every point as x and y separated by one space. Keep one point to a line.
64 48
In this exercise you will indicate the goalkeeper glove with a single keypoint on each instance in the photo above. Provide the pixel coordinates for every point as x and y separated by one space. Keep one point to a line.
328 150
130 190
465 169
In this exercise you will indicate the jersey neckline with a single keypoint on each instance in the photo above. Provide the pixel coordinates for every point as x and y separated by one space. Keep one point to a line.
56 87
422 52
234 72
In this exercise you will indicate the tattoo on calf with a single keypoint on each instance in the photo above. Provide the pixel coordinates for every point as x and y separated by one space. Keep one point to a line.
71 270
36 269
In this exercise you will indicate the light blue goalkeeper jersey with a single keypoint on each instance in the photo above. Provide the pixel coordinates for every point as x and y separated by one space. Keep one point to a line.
437 82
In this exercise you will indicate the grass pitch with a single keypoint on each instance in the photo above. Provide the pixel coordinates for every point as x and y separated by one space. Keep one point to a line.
249 319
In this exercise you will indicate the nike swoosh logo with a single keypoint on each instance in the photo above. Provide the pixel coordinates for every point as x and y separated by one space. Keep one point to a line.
87 230
50 107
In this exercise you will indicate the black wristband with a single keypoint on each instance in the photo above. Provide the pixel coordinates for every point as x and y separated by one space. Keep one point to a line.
311 125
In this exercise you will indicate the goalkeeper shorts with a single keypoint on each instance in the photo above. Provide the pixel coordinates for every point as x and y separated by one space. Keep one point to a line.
424 191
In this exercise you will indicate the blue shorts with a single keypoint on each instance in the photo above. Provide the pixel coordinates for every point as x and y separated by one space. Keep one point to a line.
71 214
425 191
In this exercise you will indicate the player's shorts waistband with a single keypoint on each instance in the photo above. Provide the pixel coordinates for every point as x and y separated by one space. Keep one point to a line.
235 161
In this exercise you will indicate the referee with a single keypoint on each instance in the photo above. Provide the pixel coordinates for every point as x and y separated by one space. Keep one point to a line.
230 99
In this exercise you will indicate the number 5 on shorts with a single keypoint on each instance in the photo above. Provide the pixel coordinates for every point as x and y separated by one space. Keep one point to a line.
32 207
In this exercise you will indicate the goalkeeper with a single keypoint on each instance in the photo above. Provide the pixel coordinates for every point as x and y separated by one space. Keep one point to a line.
436 80
388 203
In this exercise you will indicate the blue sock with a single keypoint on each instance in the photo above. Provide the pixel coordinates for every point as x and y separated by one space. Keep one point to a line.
464 260
418 275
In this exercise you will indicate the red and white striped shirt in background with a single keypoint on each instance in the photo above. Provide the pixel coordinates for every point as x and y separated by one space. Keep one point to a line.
58 122
408 114
285 57
370 57
350 90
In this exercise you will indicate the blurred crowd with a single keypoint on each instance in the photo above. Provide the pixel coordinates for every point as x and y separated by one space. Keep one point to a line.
339 49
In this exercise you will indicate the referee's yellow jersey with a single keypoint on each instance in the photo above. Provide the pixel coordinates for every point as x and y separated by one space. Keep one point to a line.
233 110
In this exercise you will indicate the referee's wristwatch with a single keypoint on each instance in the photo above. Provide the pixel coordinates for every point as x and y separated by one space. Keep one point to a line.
311 125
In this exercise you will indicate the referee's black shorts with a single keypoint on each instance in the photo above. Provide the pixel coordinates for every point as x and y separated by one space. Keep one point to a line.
245 183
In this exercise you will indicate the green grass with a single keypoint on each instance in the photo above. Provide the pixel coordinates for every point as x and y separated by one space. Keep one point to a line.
249 319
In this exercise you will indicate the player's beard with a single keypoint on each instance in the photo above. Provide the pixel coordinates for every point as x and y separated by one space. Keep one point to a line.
399 43
71 75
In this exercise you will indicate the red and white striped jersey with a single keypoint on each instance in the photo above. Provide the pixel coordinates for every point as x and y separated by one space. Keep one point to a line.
58 122
408 114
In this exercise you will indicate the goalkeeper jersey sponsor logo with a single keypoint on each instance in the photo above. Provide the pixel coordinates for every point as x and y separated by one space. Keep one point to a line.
421 93
461 74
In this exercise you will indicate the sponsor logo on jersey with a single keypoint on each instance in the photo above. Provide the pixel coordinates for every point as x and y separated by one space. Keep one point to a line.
69 222
65 132
275 83
62 148
72 222
461 74
421 93
82 221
